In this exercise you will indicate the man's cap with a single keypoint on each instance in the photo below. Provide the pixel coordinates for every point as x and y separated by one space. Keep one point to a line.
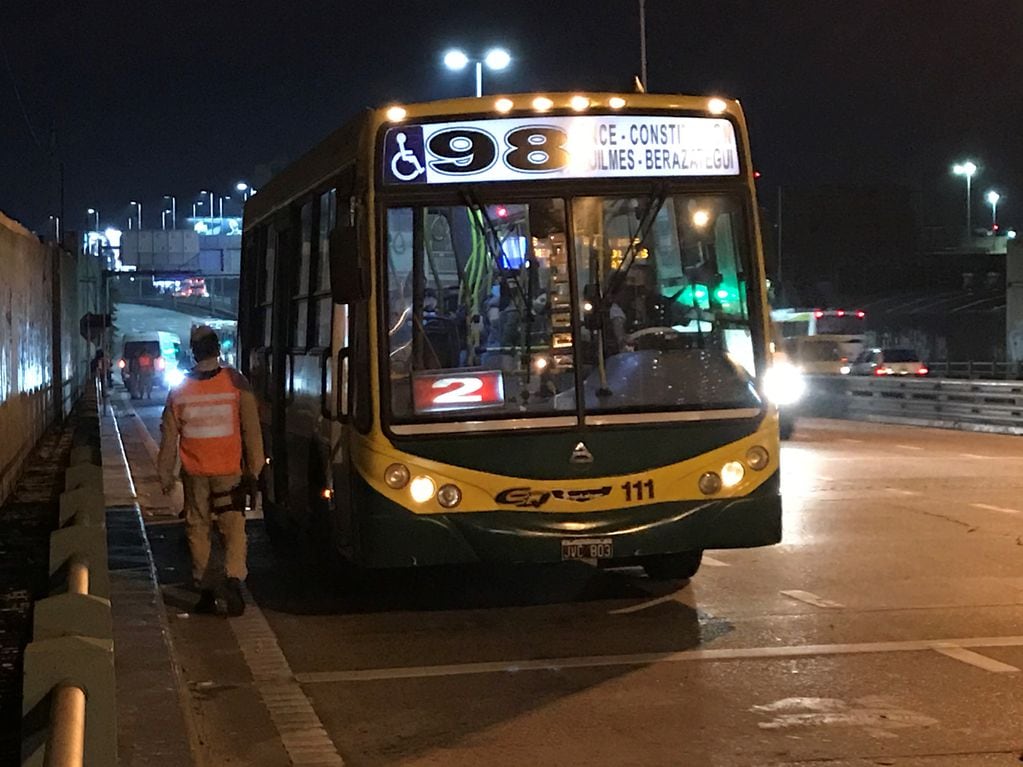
203 332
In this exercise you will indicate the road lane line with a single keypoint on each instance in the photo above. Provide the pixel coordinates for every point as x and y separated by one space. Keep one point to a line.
988 507
302 733
976 659
672 597
910 447
712 562
647 659
810 598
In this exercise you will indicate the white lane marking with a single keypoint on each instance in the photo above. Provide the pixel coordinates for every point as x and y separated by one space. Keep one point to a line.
899 491
124 455
976 659
712 562
810 598
910 447
646 659
302 733
988 507
673 597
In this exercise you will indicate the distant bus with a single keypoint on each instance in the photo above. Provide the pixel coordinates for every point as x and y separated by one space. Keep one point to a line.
521 329
820 341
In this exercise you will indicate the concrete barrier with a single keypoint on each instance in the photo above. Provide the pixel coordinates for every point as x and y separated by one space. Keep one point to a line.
72 646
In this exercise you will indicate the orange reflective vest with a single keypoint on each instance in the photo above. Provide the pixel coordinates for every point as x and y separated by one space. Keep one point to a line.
207 413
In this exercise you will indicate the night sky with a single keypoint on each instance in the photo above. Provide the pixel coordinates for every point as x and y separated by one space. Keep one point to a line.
150 97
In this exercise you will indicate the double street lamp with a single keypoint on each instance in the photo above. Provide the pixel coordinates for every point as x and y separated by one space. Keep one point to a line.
967 169
95 213
496 59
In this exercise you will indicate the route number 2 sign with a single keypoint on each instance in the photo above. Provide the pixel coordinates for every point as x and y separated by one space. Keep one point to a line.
442 392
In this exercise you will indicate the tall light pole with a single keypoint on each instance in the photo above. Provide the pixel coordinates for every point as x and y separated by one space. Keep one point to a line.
210 193
173 209
967 169
242 187
95 213
138 205
993 197
495 59
642 42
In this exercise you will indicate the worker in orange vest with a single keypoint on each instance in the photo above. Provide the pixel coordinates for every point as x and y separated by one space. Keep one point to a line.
212 421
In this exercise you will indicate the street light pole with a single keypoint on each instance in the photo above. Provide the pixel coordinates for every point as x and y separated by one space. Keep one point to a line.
138 205
479 79
642 42
95 213
173 209
993 197
967 169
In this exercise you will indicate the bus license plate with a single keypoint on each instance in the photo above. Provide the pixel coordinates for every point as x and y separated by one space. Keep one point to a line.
587 548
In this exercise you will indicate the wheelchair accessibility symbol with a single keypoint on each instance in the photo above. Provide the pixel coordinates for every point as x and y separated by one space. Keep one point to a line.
405 147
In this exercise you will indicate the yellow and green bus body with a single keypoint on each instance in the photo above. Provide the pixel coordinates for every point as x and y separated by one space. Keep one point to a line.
526 328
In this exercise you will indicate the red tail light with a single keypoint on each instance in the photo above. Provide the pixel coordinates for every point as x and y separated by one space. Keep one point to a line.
922 371
840 312
880 372
160 363
861 315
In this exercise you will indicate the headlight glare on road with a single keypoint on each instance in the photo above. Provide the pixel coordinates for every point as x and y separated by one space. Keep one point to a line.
449 496
784 383
732 473
757 457
396 476
710 483
422 488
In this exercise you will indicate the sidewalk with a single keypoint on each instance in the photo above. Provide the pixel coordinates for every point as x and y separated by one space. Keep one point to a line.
153 729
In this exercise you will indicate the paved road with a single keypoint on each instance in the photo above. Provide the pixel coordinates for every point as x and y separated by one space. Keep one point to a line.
886 629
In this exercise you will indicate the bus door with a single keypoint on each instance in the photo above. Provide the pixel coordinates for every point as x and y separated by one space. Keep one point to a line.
277 363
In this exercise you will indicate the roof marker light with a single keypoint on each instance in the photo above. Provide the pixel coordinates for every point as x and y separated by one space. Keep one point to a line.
616 102
396 114
579 103
716 106
504 105
542 103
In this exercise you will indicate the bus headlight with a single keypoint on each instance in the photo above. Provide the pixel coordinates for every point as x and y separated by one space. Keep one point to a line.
396 476
757 457
784 383
422 489
709 483
732 473
449 496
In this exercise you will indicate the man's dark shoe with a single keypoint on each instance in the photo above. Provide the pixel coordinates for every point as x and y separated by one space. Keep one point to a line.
233 595
207 604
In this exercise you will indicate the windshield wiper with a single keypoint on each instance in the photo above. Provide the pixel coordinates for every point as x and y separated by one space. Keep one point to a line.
494 244
617 278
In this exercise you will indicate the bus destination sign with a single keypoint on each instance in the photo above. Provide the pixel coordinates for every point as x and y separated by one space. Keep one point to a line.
584 146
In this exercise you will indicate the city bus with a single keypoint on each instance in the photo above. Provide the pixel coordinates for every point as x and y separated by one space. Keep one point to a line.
821 341
522 329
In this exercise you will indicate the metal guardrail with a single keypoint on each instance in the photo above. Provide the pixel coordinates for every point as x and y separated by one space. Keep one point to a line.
996 371
966 404
69 665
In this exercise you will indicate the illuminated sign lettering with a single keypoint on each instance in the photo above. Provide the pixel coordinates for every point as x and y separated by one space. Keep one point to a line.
441 392
583 146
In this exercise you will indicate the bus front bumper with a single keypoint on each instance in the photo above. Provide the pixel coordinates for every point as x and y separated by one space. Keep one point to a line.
391 536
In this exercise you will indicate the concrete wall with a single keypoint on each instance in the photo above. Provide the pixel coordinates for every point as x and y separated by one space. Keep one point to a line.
43 360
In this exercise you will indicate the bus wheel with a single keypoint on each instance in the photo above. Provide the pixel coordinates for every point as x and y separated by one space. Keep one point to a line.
669 567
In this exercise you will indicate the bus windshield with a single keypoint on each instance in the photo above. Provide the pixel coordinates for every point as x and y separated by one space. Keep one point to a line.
501 311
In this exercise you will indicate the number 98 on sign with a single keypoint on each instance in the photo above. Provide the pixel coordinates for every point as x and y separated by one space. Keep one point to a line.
443 392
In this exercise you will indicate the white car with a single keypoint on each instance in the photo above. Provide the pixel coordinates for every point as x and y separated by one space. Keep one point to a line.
887 362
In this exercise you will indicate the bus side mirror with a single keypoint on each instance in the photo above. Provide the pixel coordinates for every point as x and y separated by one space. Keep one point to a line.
346 277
